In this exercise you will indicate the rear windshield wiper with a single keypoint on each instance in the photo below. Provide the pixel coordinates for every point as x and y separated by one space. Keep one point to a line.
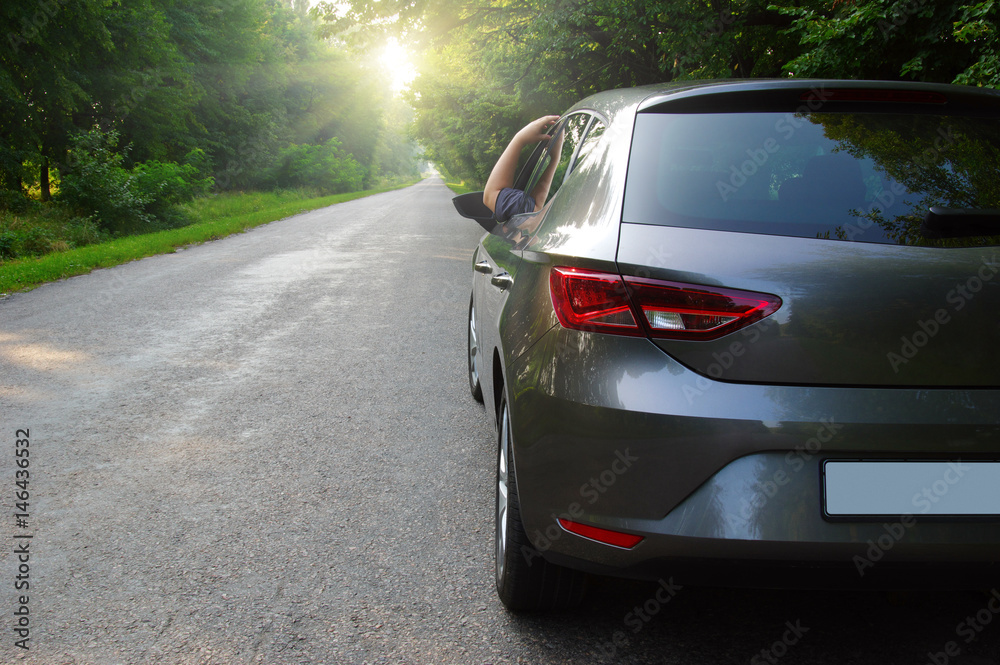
960 222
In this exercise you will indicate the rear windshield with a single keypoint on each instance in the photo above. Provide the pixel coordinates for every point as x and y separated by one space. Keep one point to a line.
864 177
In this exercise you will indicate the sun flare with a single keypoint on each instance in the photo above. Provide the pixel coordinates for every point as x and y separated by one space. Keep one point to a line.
396 60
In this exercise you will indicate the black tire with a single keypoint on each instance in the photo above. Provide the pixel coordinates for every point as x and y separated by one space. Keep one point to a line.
474 354
525 581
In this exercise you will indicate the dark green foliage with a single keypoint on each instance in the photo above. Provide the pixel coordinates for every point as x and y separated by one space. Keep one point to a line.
31 241
43 230
13 199
952 41
166 185
8 242
96 184
239 80
124 201
326 169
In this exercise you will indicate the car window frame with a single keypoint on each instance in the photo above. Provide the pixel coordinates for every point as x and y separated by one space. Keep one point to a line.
540 163
585 141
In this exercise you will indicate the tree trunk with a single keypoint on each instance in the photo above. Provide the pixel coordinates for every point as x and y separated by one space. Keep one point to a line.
43 179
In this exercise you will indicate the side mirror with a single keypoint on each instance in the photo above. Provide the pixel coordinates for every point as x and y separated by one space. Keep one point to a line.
471 206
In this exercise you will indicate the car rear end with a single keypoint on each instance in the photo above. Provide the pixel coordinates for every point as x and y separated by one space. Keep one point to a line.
791 357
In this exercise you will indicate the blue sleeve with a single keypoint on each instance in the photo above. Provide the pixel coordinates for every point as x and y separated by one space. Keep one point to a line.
512 202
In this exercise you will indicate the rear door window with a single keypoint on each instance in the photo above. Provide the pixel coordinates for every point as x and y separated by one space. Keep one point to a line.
567 136
865 177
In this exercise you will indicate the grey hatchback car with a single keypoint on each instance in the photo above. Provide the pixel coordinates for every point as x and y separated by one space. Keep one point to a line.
754 323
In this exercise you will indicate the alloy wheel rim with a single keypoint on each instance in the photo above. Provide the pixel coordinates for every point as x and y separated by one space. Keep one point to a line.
501 517
473 348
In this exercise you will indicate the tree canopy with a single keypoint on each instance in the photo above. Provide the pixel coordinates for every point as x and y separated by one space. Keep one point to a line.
489 66
273 90
246 82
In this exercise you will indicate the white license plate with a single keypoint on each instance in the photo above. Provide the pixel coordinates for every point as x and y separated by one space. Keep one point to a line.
911 488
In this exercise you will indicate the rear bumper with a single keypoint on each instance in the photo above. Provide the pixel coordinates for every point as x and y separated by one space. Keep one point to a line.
623 437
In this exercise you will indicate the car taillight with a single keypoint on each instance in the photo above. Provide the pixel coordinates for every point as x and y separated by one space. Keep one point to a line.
686 311
608 303
594 301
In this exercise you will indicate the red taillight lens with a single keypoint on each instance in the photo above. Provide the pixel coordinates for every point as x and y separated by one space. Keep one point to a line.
607 303
606 536
593 301
685 311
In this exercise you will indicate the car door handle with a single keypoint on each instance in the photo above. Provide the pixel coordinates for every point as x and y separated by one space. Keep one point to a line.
503 281
483 267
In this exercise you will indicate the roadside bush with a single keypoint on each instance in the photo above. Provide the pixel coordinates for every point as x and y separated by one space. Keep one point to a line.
13 201
121 201
29 241
82 231
166 185
326 168
12 176
8 241
44 229
96 184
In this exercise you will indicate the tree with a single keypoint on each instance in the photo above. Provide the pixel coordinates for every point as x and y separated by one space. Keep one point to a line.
950 41
492 65
41 82
239 79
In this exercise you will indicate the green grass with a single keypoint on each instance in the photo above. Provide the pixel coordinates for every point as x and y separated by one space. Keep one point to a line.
460 187
219 217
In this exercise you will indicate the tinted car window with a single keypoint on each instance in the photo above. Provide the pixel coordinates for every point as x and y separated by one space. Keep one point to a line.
866 177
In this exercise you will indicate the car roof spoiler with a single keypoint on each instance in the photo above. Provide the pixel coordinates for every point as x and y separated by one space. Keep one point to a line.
943 222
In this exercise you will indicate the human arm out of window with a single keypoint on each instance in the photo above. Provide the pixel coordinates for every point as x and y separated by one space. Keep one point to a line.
540 192
505 169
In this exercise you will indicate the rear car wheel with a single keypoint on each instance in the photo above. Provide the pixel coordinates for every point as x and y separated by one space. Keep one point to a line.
525 581
474 386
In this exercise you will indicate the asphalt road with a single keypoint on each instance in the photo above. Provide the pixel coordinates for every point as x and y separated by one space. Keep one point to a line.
263 450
